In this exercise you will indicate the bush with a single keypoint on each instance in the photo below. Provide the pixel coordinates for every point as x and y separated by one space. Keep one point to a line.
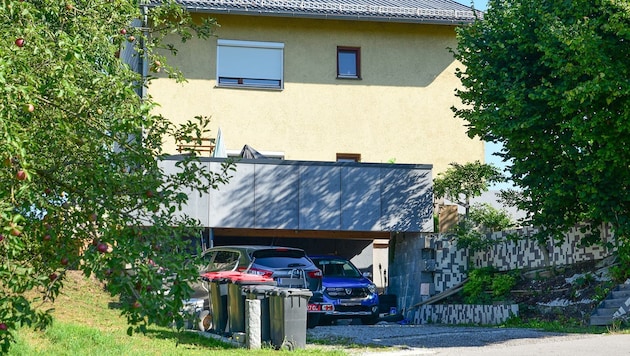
486 285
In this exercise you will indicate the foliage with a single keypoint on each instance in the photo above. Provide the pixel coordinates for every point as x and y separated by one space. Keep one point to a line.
461 182
472 233
486 284
549 81
620 272
80 184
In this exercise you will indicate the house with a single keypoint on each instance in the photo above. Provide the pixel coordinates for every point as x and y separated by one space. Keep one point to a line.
346 86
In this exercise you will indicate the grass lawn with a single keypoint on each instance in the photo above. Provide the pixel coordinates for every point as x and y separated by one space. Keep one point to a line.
86 322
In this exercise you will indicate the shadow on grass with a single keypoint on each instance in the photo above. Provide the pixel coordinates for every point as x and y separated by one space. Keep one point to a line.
189 338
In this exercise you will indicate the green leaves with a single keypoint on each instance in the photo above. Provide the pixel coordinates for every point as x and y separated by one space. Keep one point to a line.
88 146
462 182
549 80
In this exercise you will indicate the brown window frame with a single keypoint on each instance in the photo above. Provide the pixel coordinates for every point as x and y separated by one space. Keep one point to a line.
348 157
357 54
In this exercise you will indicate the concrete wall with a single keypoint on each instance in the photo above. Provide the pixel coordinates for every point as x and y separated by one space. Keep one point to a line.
400 110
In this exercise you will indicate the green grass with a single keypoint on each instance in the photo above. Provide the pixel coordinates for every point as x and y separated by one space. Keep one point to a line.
86 322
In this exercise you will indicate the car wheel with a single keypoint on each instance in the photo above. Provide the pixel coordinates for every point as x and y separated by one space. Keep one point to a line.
325 321
370 320
312 320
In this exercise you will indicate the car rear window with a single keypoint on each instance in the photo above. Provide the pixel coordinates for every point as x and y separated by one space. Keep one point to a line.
281 258
337 268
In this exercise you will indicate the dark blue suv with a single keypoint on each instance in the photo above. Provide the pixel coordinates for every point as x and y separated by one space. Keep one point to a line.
351 294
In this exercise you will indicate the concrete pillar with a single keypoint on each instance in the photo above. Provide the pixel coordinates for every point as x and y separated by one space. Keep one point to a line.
253 323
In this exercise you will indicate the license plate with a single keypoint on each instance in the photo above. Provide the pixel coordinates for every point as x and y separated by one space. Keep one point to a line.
314 307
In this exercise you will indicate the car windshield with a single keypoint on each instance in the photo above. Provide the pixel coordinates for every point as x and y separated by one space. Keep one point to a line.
281 258
337 268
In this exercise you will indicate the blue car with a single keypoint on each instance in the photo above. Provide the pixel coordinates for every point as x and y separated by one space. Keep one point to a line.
351 294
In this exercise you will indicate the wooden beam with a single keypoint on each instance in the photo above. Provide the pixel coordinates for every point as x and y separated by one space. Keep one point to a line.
307 234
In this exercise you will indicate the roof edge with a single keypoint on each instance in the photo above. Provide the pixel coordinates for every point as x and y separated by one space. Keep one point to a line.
327 16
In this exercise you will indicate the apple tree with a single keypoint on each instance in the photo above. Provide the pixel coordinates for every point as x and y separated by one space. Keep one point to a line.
549 81
80 182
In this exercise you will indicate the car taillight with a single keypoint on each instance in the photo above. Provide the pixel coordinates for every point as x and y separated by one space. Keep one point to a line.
315 274
261 272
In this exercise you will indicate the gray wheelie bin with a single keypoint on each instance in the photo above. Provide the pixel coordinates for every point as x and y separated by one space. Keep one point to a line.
261 292
288 308
236 298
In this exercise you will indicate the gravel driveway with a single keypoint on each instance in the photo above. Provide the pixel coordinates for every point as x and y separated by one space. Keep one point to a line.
457 341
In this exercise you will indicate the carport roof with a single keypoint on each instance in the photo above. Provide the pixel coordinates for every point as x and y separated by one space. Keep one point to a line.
414 11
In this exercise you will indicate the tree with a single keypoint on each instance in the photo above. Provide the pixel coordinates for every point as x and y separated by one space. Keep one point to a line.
549 80
462 182
80 181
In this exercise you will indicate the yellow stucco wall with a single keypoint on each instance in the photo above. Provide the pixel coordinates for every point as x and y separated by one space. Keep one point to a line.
400 109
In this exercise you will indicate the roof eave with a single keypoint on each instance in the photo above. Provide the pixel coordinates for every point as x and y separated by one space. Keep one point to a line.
307 15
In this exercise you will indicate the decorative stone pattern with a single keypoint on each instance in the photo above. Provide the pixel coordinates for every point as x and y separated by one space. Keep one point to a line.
464 314
409 274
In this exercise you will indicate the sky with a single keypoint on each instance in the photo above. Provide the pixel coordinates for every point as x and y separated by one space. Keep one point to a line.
479 4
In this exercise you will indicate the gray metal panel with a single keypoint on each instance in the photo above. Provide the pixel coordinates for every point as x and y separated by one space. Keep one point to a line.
407 200
276 204
360 199
197 206
232 205
320 195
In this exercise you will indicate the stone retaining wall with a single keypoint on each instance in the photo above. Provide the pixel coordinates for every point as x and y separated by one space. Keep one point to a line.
464 314
423 265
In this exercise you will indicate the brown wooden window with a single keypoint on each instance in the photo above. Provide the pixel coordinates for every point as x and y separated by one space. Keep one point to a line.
348 62
348 157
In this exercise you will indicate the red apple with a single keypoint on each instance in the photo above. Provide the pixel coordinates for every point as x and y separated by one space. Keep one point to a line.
15 232
102 247
131 38
64 261
47 191
29 107
149 193
21 175
136 305
53 277
46 237
3 326
19 42
1 237
123 31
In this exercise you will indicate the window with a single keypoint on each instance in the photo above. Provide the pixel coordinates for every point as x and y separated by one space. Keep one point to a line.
349 62
250 64
348 157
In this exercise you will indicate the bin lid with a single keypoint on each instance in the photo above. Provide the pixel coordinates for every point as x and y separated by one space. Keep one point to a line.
219 276
248 278
288 292
260 289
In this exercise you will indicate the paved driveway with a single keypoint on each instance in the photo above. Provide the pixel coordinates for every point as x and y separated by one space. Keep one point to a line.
403 340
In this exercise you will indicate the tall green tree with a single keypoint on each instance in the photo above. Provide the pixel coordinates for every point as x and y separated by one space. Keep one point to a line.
80 182
549 80
462 182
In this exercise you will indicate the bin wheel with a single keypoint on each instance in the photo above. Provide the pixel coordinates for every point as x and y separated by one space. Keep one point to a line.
287 345
205 320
